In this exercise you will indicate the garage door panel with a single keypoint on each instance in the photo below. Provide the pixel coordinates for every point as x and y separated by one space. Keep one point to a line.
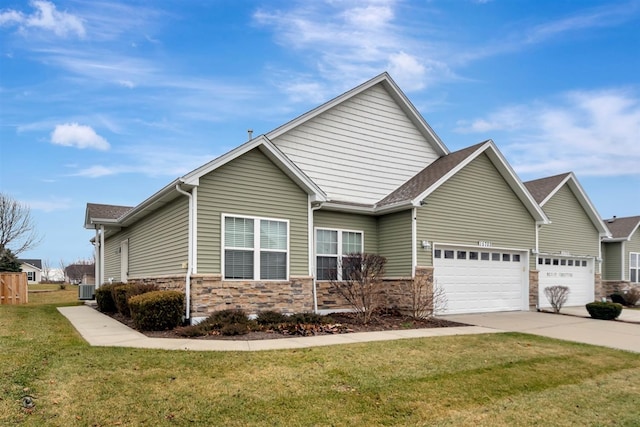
477 280
575 273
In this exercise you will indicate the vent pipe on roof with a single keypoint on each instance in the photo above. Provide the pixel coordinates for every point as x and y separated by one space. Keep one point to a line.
250 132
612 220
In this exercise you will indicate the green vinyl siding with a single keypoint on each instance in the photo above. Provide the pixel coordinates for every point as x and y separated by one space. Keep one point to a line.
476 204
632 245
158 244
250 185
570 230
612 261
352 222
112 256
395 243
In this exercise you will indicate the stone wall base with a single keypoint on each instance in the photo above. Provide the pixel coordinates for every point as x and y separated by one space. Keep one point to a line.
610 286
209 293
533 289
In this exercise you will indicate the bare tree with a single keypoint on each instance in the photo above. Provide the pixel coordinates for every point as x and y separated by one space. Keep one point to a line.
17 229
361 283
425 296
557 296
46 270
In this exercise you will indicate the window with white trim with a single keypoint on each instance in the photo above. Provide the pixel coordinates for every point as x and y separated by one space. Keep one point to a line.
255 248
634 267
332 247
31 276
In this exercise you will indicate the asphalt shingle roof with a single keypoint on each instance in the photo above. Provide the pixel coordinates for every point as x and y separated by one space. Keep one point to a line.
622 227
541 188
428 176
96 210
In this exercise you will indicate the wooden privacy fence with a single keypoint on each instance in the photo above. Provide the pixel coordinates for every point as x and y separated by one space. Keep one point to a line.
13 288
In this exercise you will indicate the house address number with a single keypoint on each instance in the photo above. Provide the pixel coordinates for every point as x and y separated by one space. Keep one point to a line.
484 244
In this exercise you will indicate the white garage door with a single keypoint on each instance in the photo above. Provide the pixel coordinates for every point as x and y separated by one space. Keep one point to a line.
481 280
576 273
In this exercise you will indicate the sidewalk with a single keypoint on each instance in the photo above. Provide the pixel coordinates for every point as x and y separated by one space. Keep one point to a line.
101 330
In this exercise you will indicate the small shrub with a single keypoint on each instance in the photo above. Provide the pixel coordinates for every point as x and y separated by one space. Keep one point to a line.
223 322
308 318
62 286
604 310
104 298
557 296
122 292
270 318
157 310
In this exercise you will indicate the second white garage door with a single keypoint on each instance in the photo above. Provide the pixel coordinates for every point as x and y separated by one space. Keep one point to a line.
575 273
481 280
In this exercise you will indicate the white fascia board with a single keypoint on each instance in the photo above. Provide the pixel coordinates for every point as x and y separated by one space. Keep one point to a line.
397 94
507 173
368 210
500 162
273 153
584 201
416 201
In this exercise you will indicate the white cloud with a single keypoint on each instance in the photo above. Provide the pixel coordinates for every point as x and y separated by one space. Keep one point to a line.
589 132
45 17
51 205
350 41
96 171
79 136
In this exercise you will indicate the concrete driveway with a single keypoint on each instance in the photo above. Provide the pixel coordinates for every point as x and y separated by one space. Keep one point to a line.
570 327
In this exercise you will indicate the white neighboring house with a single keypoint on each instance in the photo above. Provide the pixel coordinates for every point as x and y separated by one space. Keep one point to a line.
33 268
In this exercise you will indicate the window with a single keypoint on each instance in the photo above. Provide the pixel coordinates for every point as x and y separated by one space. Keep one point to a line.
448 254
506 257
634 267
462 254
515 258
255 248
484 256
31 276
437 253
473 255
331 248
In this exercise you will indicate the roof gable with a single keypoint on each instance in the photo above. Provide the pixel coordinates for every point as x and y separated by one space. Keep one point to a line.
393 89
544 189
361 145
35 263
433 176
623 228
101 214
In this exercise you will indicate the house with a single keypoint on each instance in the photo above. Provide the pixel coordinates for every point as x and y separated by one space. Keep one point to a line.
33 268
621 254
79 273
265 225
569 247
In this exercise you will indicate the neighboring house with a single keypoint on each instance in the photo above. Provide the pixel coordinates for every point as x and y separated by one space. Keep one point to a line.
569 247
79 273
622 254
266 224
33 268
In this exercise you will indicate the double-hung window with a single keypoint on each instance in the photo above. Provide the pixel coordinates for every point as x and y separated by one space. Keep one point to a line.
332 248
31 276
255 248
634 267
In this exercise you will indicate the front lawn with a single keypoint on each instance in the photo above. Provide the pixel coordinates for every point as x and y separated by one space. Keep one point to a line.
483 380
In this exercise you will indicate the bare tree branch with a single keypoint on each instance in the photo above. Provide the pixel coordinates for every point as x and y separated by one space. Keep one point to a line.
17 229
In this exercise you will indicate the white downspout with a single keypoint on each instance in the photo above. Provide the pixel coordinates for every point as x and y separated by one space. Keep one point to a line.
101 254
414 244
189 253
96 273
312 258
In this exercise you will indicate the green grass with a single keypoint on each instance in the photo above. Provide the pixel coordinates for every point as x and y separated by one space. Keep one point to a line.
481 380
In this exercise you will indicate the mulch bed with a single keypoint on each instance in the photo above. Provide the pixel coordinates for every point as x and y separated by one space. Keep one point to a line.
342 323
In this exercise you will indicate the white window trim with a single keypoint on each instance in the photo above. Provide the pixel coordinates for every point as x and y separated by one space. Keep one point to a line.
339 255
637 267
256 247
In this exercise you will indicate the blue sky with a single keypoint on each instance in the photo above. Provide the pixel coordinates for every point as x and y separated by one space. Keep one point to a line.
107 101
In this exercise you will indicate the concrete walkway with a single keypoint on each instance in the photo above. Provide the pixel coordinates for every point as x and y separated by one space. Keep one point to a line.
573 324
101 330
